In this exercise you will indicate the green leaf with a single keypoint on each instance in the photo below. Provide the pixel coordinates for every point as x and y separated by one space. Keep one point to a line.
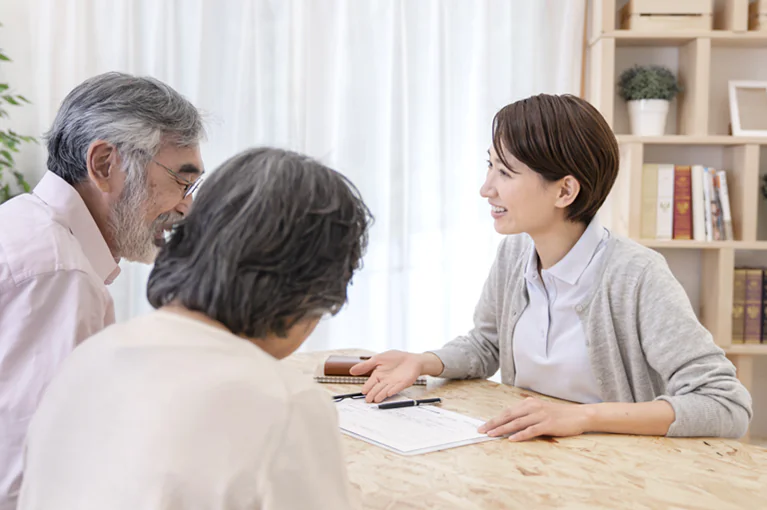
3 87
5 193
22 182
22 98
10 99
5 58
29 139
6 155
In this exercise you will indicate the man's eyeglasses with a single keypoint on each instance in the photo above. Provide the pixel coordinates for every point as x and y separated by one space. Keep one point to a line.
338 398
189 186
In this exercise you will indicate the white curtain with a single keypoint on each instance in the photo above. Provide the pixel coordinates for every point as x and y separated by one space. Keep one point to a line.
397 94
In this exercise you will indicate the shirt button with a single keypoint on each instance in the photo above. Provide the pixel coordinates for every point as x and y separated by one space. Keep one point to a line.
578 308
599 381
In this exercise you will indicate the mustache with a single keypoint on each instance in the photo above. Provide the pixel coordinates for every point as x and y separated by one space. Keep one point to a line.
167 219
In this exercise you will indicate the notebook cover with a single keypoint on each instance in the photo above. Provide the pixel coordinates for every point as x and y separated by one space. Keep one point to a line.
336 370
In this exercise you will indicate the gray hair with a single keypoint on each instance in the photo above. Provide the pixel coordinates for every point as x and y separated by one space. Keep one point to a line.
272 237
135 114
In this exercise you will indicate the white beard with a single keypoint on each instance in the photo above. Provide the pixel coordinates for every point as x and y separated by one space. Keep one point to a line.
135 240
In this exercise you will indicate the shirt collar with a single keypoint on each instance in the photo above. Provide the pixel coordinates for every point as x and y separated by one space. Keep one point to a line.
74 215
572 266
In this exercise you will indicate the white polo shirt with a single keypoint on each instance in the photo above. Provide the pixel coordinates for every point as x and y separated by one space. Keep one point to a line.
549 344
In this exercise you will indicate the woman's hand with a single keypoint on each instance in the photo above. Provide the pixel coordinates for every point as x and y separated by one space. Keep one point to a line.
534 417
393 371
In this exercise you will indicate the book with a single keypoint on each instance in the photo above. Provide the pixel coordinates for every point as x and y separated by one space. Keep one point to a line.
707 193
649 200
724 198
738 305
335 370
682 221
715 205
664 227
341 379
764 306
752 330
698 216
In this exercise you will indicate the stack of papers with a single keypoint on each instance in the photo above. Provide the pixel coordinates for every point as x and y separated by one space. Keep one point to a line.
408 430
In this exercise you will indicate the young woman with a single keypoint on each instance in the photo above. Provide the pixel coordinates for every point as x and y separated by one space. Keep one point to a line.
189 407
571 310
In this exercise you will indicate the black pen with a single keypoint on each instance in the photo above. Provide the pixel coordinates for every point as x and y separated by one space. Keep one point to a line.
409 403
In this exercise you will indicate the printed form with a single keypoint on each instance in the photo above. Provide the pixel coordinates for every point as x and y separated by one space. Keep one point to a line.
408 430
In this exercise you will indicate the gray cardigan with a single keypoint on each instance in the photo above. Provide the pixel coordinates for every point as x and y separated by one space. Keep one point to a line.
644 340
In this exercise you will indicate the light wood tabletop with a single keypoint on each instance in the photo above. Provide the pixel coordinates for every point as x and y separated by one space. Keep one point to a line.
592 471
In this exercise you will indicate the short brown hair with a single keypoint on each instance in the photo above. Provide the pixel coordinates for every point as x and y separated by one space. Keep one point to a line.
557 136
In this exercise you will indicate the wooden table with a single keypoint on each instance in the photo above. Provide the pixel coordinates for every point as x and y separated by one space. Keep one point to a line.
592 471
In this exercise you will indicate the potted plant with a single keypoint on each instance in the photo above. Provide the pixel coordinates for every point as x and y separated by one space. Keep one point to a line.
9 144
648 91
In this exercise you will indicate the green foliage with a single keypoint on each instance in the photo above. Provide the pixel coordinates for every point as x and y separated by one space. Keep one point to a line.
648 82
12 181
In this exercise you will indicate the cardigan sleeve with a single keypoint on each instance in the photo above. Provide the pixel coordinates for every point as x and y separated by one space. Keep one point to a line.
701 384
477 354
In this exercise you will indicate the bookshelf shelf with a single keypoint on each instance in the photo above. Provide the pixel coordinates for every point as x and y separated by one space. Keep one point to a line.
692 140
747 350
703 245
720 38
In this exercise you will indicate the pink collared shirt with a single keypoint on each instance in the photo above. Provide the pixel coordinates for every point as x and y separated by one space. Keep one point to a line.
54 268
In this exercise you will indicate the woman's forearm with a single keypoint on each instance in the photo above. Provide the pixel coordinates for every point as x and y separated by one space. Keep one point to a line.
642 418
431 364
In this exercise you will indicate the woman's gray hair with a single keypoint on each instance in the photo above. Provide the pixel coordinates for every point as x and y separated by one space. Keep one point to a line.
135 114
272 237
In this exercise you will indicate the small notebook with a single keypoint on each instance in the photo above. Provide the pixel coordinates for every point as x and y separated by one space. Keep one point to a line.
336 370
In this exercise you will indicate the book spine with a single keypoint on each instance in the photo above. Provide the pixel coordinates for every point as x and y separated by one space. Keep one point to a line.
738 306
664 228
717 222
707 192
682 222
764 305
753 316
724 197
698 216
649 200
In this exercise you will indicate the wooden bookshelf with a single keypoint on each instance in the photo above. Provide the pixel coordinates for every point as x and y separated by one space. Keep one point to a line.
720 38
663 244
747 350
697 132
692 140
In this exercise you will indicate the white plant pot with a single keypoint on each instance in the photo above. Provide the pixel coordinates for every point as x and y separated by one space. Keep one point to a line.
648 116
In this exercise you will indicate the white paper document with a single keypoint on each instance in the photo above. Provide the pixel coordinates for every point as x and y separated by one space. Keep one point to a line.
408 430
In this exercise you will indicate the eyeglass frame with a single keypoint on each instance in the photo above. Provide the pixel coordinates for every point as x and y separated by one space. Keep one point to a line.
353 396
189 186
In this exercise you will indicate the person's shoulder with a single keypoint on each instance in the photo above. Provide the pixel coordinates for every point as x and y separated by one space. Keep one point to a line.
33 243
628 257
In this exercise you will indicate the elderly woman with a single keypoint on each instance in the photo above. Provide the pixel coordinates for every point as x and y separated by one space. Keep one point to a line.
188 407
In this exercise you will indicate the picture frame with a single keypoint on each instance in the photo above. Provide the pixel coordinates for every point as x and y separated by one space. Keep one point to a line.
748 107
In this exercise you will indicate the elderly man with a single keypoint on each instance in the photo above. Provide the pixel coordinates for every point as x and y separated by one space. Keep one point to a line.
123 159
